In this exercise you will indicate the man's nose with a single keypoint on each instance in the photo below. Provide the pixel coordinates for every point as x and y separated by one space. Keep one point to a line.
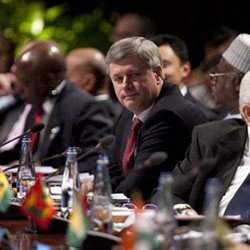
126 83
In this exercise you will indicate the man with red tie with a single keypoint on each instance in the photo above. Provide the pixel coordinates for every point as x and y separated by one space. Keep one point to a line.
72 117
156 118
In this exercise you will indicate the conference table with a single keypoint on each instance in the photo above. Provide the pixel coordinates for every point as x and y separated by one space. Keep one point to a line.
24 240
17 232
17 227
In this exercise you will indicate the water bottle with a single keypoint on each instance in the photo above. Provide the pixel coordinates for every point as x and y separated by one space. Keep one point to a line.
164 216
101 205
70 183
26 172
212 226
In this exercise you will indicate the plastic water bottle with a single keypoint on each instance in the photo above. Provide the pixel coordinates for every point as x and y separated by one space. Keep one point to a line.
26 172
101 205
70 183
164 216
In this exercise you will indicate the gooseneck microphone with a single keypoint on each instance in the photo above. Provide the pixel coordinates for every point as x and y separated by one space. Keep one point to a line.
63 154
34 129
156 159
103 143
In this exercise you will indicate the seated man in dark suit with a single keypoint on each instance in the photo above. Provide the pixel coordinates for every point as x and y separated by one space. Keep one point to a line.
219 149
166 119
86 68
71 115
177 68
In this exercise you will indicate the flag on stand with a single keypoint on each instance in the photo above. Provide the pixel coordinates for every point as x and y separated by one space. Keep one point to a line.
37 205
78 225
6 194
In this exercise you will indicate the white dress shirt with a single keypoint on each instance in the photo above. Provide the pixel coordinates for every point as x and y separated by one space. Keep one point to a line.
241 173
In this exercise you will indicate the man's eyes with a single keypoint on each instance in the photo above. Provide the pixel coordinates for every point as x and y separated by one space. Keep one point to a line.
131 76
135 74
118 79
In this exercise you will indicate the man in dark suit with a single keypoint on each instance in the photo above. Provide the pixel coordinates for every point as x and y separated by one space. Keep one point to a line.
86 68
219 149
177 68
71 115
167 119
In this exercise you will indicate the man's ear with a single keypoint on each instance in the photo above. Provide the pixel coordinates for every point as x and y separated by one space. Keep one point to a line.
246 113
159 74
88 82
186 69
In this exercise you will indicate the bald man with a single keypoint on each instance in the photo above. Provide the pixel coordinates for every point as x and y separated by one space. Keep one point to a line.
86 68
71 115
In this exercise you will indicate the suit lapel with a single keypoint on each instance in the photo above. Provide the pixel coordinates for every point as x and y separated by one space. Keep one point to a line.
230 152
53 129
54 126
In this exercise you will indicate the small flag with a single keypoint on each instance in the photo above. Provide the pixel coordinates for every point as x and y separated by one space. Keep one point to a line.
6 194
78 225
38 205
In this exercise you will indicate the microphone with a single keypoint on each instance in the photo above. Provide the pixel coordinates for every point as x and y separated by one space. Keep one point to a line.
37 127
153 160
63 154
156 159
102 144
34 129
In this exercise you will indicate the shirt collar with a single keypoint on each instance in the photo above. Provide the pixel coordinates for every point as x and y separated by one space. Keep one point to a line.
58 89
144 115
184 90
230 116
248 141
103 97
48 104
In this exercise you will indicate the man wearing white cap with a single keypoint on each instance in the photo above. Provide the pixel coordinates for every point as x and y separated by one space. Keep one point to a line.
235 62
219 149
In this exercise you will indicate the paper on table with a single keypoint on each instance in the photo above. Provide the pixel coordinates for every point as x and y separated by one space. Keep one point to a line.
39 169
84 177
119 197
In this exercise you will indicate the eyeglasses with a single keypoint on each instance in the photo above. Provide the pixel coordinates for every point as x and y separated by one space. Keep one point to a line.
214 76
145 207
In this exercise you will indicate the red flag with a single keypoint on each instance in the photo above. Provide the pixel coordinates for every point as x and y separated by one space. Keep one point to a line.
37 205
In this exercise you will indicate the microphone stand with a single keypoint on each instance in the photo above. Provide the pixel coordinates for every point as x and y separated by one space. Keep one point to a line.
45 159
13 139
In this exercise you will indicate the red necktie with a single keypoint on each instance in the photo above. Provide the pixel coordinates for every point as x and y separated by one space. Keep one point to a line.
130 146
38 117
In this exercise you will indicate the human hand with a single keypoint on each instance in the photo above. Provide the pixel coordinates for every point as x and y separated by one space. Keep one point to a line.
184 209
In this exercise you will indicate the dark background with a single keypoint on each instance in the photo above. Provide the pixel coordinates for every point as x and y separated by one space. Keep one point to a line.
195 21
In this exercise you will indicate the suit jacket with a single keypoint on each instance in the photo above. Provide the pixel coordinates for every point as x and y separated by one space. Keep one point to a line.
8 117
209 113
76 120
168 128
216 150
111 108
